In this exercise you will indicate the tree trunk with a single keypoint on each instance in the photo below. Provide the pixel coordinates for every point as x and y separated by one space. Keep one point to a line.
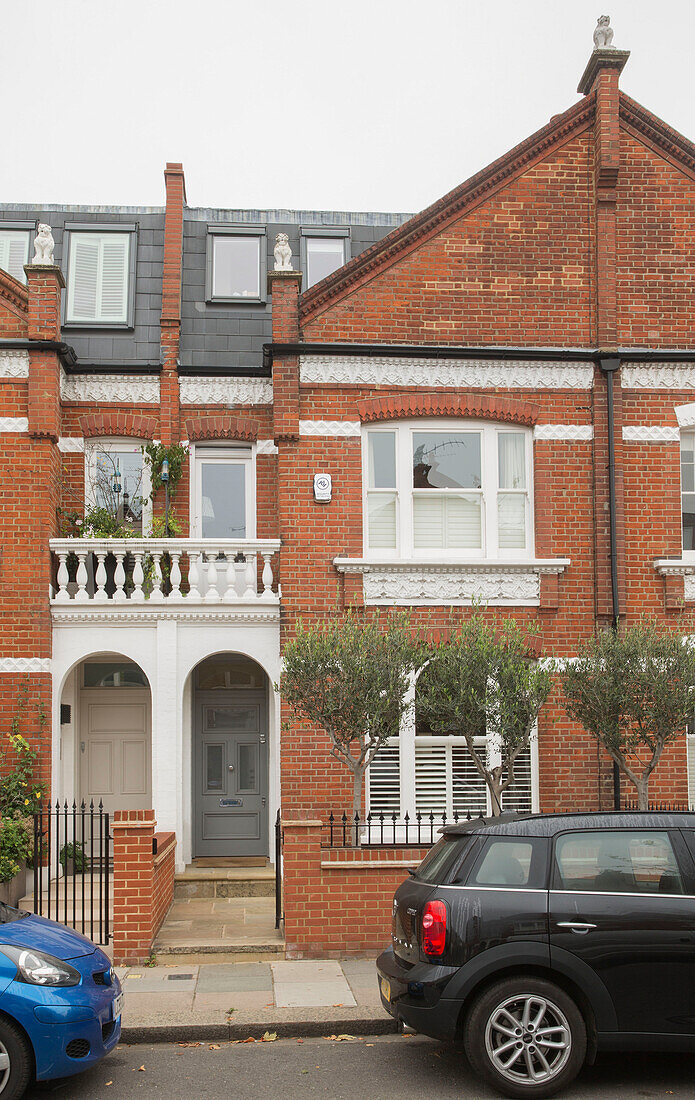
357 779
495 786
642 787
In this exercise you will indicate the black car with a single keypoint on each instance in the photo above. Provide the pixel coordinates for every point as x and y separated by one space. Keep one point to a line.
542 939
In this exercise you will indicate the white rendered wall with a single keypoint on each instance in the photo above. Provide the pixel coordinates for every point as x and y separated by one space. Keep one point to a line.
167 650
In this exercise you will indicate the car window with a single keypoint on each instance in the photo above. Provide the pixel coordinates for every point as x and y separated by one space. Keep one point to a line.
504 863
439 859
634 861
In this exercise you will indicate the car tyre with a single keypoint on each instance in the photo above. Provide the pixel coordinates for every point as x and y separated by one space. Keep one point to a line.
16 1061
501 1037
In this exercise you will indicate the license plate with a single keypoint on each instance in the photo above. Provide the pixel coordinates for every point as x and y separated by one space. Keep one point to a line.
385 989
117 1006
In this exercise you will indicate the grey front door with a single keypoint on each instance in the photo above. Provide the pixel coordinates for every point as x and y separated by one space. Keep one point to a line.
230 774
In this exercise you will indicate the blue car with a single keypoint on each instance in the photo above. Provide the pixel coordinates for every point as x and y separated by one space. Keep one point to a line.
60 1002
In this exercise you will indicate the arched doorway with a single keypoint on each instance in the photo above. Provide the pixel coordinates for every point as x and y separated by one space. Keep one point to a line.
230 758
112 722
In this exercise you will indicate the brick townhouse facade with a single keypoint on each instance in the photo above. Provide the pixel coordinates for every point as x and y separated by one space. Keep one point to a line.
501 388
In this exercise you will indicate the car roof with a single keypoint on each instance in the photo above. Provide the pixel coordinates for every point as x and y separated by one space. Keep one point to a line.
550 824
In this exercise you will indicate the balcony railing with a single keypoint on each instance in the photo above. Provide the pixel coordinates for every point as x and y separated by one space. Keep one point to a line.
149 571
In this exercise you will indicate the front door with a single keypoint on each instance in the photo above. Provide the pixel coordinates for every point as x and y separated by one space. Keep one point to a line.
622 903
230 794
114 748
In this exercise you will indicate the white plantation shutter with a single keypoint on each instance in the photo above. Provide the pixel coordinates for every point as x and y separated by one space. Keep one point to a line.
14 252
385 781
511 519
431 774
98 277
469 792
382 520
518 795
114 278
446 522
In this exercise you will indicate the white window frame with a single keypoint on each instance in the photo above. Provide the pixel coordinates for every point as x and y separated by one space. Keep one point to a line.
14 231
407 743
241 453
100 234
109 444
215 233
404 549
686 555
325 234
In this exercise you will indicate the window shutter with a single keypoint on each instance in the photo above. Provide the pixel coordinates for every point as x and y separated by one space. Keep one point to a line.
518 795
469 793
382 521
385 781
690 739
441 522
114 278
14 253
84 269
430 779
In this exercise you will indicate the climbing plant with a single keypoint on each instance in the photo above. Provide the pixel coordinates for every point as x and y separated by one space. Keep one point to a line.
155 453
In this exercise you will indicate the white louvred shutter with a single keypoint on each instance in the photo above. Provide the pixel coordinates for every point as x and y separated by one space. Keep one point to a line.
469 793
385 781
382 520
690 740
430 779
518 795
14 250
114 277
84 271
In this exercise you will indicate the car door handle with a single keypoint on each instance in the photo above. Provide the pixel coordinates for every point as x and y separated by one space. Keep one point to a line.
579 927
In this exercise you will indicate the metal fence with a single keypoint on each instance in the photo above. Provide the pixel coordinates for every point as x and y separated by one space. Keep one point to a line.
389 829
72 867
279 915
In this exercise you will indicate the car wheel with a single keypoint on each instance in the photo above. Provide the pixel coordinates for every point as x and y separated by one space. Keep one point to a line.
16 1062
526 1036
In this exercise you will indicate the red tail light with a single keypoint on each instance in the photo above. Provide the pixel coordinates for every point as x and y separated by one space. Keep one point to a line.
434 928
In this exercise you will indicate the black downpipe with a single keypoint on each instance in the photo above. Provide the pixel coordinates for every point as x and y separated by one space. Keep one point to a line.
609 366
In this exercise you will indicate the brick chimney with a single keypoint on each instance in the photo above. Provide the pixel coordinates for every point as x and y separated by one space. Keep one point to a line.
171 302
45 284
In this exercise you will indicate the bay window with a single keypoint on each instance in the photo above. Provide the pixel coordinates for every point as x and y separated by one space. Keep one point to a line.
460 490
688 491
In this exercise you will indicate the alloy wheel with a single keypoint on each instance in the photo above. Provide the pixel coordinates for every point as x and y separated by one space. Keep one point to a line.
528 1039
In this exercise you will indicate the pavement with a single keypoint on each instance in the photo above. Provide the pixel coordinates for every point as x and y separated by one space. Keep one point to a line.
239 1000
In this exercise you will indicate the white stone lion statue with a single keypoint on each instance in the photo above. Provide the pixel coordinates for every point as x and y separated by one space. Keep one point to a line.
43 245
603 33
282 253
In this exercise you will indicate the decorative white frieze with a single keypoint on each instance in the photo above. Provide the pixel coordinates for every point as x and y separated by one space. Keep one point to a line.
14 424
131 389
14 364
685 415
208 390
689 588
408 583
568 432
658 376
266 447
361 370
341 428
71 444
25 664
651 433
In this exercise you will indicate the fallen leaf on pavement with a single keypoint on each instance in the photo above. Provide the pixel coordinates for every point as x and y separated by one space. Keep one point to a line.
269 1036
249 1040
109 1082
189 1044
338 1006
214 1046
369 1044
339 1038
300 1040
142 1069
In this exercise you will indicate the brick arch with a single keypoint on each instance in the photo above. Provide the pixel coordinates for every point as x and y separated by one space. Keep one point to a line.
221 427
119 422
480 406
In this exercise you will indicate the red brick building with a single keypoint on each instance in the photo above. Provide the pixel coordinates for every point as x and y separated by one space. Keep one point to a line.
502 391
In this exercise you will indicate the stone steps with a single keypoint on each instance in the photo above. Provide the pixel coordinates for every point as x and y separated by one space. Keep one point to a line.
225 882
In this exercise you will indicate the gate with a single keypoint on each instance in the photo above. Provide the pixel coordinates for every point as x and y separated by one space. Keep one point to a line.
279 914
72 868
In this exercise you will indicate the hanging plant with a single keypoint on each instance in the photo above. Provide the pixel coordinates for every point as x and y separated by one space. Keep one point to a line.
176 455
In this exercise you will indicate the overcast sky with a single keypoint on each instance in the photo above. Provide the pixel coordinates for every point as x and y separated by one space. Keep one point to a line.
359 105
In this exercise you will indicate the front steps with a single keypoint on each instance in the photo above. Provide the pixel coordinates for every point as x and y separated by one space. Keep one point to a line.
221 913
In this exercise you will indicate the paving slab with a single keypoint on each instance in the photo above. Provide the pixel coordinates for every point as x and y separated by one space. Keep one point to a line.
314 994
235 977
234 1002
310 970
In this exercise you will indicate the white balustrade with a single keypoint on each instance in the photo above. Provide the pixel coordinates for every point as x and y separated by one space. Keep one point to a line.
164 571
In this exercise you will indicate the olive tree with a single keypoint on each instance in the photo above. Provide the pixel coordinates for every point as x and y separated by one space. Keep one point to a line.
483 680
634 691
350 677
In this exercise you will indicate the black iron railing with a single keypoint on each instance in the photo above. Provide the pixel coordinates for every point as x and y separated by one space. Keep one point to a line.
657 807
279 915
72 867
383 829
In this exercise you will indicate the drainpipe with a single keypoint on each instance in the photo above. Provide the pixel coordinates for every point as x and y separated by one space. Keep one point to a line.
609 365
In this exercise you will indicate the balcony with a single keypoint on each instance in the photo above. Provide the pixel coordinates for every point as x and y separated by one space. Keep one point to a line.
145 577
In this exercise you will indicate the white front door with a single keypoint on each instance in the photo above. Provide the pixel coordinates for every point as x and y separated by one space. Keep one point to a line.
115 748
